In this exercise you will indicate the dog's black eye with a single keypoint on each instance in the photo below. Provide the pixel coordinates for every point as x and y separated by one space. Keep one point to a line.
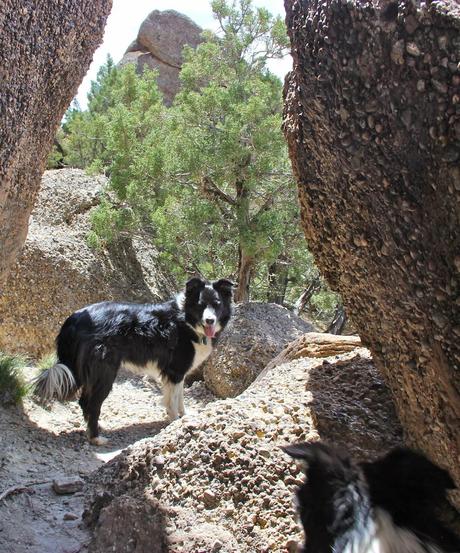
216 303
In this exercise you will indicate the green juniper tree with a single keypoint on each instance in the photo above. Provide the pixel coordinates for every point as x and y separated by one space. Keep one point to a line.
208 177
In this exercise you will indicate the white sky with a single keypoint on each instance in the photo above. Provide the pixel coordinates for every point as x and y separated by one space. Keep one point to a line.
126 18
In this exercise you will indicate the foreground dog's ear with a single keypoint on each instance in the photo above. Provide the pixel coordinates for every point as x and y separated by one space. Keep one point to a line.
223 286
194 284
411 473
316 454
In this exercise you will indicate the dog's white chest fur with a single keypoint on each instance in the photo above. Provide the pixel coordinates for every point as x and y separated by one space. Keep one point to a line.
382 536
202 352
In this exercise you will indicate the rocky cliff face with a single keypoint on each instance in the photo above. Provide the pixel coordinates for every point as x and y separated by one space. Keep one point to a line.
57 272
159 44
372 118
45 50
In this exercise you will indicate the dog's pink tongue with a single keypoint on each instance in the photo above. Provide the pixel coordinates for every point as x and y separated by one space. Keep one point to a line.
210 331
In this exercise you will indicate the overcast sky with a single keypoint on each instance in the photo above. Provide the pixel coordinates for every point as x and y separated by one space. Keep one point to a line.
127 16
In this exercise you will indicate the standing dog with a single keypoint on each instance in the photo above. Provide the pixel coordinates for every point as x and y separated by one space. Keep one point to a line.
166 340
387 506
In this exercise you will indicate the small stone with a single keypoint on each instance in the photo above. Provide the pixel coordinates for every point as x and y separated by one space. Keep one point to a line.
216 546
411 24
397 52
439 86
292 546
70 516
412 49
264 452
406 118
159 461
69 485
420 85
443 41
450 155
209 498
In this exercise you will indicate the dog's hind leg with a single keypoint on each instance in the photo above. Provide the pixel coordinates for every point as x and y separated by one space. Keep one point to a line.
83 401
99 392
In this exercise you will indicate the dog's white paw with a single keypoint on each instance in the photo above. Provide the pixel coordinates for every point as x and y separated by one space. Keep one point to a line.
99 440
172 416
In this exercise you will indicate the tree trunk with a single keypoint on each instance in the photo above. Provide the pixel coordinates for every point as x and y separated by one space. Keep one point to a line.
338 322
277 281
45 51
245 268
305 296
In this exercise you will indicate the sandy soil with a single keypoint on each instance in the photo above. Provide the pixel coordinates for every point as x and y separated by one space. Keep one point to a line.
38 445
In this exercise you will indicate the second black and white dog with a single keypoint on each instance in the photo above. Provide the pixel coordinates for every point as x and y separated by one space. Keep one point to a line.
166 340
385 506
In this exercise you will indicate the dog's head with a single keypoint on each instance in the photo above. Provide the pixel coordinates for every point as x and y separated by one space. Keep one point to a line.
208 305
332 499
341 500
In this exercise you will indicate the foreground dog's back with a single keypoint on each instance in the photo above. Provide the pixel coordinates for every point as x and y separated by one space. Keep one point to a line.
387 506
165 340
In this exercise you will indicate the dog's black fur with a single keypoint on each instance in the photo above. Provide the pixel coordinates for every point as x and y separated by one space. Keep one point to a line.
384 506
168 338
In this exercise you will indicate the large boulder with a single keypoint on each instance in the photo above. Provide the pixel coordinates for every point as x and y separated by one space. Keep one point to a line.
257 332
57 271
372 117
159 44
45 51
219 482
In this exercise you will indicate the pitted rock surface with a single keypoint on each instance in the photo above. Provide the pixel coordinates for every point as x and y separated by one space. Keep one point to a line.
57 272
45 51
372 117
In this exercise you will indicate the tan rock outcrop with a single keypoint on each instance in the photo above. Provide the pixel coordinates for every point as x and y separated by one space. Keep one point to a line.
57 272
45 51
256 333
372 119
159 44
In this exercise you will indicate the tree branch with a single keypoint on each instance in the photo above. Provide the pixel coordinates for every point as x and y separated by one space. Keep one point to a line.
209 188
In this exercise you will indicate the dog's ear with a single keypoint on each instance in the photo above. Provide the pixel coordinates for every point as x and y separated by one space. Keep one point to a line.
223 286
194 285
318 455
411 474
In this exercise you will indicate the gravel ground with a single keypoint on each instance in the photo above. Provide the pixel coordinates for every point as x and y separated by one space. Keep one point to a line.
219 481
38 445
214 481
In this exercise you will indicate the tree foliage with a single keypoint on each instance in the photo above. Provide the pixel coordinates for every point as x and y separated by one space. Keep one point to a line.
208 177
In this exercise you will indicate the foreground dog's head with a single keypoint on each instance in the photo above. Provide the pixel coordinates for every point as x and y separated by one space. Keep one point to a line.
387 506
208 305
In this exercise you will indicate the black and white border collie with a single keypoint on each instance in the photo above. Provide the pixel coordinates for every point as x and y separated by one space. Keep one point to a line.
166 340
385 506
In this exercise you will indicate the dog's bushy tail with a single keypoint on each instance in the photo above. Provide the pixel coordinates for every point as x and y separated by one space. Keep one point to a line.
56 383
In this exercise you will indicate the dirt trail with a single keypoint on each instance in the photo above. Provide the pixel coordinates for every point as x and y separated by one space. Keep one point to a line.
38 445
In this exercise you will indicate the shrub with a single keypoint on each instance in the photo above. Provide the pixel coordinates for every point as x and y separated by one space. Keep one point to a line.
13 386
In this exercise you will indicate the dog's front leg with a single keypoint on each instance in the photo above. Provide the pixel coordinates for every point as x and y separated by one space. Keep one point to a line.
181 398
170 399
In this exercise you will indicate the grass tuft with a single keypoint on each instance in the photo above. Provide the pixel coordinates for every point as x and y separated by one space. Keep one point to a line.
46 361
13 386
